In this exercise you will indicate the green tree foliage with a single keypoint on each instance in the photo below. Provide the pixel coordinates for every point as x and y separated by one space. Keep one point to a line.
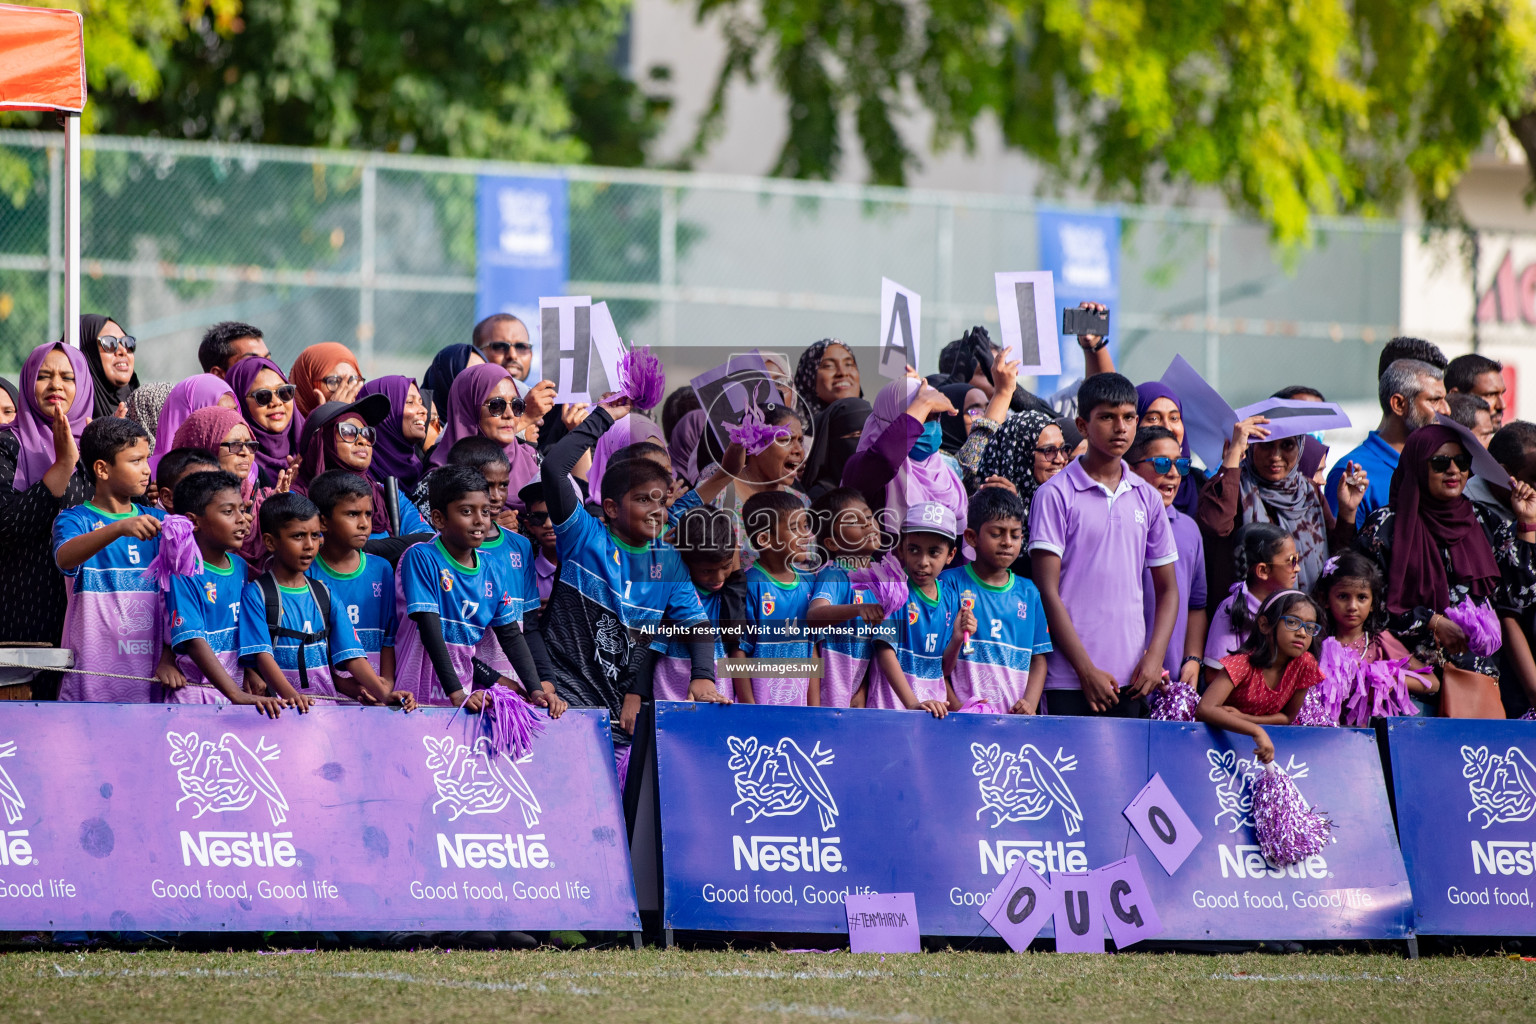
508 79
1292 108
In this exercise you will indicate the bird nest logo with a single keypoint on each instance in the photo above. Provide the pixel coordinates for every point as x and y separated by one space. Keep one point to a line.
1503 788
137 619
1025 785
10 796
478 779
1234 778
228 776
779 781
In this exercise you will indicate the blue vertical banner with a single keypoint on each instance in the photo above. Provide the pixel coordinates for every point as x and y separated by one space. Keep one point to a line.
522 244
1082 251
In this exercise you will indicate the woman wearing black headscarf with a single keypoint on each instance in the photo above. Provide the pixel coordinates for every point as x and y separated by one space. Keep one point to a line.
827 373
450 361
109 352
838 427
10 401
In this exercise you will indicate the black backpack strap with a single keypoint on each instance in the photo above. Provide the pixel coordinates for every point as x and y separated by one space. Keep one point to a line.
274 602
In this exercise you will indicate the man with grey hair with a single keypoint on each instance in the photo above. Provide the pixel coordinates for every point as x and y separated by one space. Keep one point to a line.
1410 393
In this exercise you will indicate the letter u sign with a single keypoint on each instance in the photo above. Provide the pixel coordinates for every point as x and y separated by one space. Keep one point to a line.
1079 928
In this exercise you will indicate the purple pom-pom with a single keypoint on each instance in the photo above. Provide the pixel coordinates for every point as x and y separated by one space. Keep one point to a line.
1174 701
621 762
976 706
514 723
1478 621
642 378
1314 710
753 433
178 555
1287 831
1340 668
887 580
1389 691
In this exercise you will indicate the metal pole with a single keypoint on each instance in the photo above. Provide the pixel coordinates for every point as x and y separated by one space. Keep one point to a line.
1212 304
1476 243
71 323
55 242
667 267
367 269
946 273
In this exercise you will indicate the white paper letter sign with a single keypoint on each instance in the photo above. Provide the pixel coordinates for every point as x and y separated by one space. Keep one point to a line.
565 333
610 349
901 315
1026 309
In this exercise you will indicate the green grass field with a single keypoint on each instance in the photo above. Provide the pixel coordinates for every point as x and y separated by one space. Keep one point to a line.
758 986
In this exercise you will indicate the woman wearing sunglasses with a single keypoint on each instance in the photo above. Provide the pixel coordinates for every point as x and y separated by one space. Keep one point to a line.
345 436
485 400
1436 547
267 402
326 372
1259 482
109 352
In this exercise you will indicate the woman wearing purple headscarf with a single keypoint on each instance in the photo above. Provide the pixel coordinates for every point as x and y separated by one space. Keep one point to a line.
39 478
485 400
267 403
1157 405
196 392
896 463
397 449
683 446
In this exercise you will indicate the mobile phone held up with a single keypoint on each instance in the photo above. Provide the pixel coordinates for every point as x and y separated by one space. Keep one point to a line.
1084 321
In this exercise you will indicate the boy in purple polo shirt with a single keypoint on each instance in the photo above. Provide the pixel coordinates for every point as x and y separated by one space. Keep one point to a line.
1094 529
1156 457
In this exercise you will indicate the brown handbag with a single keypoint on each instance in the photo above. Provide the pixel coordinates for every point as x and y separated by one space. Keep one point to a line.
1468 694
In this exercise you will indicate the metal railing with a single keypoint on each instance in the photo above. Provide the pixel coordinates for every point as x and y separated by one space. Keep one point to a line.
378 250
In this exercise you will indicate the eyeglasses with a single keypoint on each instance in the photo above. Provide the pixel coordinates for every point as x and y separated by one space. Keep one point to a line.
498 406
1442 463
536 518
1051 453
1293 561
1161 464
239 447
336 380
353 432
1296 625
110 343
263 396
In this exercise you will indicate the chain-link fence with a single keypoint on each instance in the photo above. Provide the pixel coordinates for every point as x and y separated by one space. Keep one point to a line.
378 251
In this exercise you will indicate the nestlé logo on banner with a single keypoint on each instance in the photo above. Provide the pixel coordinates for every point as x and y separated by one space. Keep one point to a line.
226 778
480 780
1503 792
1027 786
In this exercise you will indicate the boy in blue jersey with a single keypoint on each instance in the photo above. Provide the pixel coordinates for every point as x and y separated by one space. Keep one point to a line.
363 584
778 599
910 672
449 597
705 539
1002 668
842 613
617 580
175 465
203 609
515 553
114 620
313 632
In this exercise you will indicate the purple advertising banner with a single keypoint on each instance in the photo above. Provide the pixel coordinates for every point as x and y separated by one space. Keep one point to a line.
770 815
205 818
1466 811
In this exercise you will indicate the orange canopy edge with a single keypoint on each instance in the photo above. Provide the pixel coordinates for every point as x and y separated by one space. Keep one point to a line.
42 59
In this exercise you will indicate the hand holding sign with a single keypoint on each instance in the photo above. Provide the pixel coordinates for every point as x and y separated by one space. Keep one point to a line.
1026 310
901 311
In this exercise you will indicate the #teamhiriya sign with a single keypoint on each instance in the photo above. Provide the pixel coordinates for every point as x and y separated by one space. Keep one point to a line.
201 818
771 816
1466 811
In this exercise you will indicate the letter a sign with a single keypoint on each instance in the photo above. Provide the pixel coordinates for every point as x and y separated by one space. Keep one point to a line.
901 314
